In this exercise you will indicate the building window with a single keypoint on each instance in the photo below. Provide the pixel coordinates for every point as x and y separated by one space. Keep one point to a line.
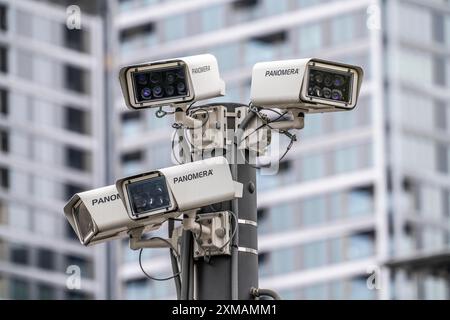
4 177
19 289
76 120
4 140
245 4
175 27
438 27
212 18
77 159
75 79
310 37
313 167
3 59
131 162
439 71
19 254
75 39
360 201
46 292
138 37
3 18
442 157
71 189
314 254
131 121
360 245
440 115
46 259
137 289
264 48
77 295
3 102
70 233
84 265
314 211
3 217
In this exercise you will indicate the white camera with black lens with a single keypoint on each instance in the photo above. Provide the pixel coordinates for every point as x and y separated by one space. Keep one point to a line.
170 82
313 85
148 200
178 188
99 215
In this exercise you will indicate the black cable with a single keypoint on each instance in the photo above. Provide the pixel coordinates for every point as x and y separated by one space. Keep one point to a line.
292 137
173 260
151 277
186 249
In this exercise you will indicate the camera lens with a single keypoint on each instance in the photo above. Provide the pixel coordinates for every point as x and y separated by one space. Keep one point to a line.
181 87
180 74
326 93
336 95
146 93
318 77
155 77
317 91
160 201
338 81
170 90
157 92
170 78
140 203
328 80
141 78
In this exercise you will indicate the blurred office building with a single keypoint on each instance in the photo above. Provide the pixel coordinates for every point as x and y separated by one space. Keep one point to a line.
51 146
362 194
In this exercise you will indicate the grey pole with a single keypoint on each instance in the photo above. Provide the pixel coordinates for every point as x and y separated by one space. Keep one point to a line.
214 276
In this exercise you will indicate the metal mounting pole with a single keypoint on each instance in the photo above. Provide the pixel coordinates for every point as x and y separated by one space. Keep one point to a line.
214 275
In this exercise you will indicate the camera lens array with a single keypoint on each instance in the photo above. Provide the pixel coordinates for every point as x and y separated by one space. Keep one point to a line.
329 85
160 84
148 195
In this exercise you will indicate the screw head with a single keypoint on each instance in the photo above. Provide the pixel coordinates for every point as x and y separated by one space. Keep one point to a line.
251 187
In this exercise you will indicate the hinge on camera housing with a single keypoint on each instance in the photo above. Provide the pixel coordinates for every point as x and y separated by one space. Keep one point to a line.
214 236
212 133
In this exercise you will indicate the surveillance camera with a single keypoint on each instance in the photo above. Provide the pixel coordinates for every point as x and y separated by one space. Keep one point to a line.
311 84
170 82
98 215
178 188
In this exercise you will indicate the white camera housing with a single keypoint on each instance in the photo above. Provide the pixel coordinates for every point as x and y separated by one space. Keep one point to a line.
198 75
179 188
99 215
311 84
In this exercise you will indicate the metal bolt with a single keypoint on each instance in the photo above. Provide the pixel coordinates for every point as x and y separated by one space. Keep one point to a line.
251 187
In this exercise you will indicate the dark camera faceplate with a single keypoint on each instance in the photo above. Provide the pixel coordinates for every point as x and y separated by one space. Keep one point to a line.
331 85
148 195
160 84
